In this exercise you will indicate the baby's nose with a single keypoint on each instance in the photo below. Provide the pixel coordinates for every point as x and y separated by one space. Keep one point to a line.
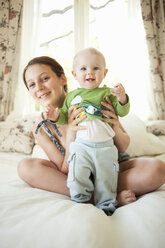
89 72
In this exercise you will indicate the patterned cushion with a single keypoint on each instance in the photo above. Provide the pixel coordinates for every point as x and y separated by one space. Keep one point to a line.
15 135
156 127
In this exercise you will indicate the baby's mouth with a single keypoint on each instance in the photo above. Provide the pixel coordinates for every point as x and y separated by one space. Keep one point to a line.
90 79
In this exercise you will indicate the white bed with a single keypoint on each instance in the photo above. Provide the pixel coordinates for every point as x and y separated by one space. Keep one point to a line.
33 218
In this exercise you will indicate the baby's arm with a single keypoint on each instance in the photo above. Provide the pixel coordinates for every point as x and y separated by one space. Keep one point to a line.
51 113
119 92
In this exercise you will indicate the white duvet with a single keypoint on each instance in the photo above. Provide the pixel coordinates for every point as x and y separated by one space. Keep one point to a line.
33 218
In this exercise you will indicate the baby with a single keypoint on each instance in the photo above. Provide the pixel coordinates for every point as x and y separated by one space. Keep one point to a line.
93 159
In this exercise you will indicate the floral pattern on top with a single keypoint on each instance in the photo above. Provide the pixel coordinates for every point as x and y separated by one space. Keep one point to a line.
10 27
16 135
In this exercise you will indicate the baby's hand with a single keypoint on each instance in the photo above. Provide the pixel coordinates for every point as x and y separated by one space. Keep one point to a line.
51 113
119 92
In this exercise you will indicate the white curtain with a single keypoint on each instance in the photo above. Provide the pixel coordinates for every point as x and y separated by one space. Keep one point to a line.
24 104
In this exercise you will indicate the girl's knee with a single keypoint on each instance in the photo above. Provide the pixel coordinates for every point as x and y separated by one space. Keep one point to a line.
158 168
160 165
24 168
20 167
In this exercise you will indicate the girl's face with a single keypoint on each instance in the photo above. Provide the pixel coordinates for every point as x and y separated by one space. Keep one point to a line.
45 86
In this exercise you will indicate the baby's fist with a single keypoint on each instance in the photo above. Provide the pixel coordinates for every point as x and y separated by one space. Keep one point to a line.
119 92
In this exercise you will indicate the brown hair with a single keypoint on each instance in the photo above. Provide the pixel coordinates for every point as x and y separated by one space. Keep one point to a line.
45 60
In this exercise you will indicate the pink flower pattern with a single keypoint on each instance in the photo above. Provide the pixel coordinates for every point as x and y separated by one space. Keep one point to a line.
153 13
10 24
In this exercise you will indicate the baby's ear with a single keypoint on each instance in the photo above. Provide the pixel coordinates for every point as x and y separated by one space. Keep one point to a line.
74 74
105 72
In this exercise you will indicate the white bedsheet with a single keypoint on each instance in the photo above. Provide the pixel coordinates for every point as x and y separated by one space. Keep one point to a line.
33 218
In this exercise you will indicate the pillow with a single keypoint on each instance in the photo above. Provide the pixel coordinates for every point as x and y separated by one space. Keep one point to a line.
15 135
156 127
141 142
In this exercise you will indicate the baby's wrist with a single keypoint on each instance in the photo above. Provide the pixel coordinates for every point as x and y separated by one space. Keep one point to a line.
123 100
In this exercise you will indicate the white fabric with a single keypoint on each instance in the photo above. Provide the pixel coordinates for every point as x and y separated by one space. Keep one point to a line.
96 131
36 218
141 142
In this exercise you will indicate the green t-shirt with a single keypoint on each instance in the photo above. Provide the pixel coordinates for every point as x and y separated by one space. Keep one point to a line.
93 96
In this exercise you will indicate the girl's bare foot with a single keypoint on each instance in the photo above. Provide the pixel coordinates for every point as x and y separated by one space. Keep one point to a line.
125 197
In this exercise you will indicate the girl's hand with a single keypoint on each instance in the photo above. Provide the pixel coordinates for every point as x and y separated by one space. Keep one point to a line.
121 138
119 92
73 121
111 113
51 113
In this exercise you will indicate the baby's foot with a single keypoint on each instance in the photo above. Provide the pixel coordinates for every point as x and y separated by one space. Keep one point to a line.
125 197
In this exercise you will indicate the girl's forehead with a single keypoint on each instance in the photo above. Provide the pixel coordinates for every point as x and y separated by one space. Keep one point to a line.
37 70
39 67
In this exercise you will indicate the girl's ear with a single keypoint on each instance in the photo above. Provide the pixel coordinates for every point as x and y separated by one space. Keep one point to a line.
64 79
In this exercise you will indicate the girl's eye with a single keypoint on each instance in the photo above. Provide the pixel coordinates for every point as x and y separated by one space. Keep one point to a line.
83 69
96 68
45 79
31 85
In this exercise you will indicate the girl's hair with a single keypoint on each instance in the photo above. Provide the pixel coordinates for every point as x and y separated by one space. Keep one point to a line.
45 60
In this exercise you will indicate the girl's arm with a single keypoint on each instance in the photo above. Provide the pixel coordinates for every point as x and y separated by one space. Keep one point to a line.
121 138
68 135
49 147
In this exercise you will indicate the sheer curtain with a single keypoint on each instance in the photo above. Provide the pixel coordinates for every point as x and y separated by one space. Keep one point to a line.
44 33
24 104
114 27
118 31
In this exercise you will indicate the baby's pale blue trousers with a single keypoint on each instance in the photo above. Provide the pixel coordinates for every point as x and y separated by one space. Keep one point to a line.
93 167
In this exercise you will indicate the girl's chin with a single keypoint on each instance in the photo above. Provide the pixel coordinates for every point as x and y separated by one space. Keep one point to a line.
44 103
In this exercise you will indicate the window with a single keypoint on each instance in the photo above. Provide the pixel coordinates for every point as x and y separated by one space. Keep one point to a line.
115 27
55 36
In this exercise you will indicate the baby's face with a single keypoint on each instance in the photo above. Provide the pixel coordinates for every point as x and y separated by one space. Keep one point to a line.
89 70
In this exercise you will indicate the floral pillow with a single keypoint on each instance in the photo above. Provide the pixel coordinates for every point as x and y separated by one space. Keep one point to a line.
15 135
156 127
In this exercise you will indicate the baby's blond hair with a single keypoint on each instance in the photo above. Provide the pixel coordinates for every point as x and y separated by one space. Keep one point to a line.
91 50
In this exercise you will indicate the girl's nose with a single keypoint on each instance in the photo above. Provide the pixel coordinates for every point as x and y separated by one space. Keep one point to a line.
39 86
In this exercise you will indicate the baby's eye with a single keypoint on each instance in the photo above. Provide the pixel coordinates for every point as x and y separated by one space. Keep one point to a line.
96 68
83 69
